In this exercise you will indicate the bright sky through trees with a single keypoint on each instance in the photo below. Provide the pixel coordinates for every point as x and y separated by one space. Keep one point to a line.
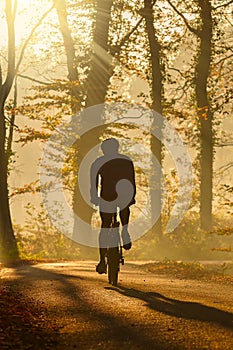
28 11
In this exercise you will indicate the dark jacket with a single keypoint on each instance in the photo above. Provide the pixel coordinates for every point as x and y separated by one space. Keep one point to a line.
110 170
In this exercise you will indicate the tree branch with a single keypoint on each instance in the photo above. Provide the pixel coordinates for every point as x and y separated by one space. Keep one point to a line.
223 5
223 59
193 30
116 49
15 8
225 144
176 70
30 36
32 79
0 77
11 123
10 18
3 57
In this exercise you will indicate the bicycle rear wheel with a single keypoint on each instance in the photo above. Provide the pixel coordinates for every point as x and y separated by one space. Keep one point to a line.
113 265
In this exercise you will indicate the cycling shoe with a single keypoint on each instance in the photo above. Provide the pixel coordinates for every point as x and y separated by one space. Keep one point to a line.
101 267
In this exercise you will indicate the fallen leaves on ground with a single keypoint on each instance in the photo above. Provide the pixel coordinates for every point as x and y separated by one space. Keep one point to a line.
183 270
23 323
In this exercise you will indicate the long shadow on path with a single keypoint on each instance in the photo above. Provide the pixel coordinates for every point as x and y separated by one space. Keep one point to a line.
102 327
178 308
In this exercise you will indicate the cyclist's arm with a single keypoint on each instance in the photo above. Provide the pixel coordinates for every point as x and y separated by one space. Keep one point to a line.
94 176
132 179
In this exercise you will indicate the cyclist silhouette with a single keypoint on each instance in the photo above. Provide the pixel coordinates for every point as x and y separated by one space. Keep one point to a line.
114 172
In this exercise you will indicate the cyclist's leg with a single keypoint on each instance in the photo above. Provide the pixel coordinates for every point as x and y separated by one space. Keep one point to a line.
106 219
124 216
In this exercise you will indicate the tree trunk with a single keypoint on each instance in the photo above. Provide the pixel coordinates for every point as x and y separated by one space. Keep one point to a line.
101 70
95 91
12 123
205 115
101 64
73 77
8 246
156 95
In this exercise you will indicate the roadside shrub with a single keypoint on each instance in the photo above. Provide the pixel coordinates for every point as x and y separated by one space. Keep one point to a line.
39 239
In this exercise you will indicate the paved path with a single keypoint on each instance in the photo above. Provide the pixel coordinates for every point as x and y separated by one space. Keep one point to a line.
145 311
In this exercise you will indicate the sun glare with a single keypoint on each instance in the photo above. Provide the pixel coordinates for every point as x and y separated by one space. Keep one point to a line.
27 11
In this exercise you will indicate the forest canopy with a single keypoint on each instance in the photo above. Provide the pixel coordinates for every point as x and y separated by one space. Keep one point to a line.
61 58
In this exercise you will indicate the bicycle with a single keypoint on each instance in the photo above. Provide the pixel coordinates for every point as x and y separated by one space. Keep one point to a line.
114 252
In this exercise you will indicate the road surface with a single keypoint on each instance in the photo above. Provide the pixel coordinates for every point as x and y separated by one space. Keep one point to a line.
146 311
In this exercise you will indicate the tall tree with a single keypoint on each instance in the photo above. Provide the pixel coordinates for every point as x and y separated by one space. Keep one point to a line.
96 87
156 86
205 112
204 34
8 247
